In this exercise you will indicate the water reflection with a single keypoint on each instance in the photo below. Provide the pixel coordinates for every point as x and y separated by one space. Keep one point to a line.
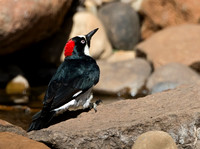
18 109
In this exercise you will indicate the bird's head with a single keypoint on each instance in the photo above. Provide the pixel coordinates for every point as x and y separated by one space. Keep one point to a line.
79 45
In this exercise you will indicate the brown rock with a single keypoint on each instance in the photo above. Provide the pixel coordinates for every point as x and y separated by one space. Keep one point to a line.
14 141
23 22
170 76
121 55
174 44
154 140
168 13
122 78
117 125
8 127
83 23
17 85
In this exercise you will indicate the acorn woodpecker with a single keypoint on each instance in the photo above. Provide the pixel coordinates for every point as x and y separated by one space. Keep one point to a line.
71 85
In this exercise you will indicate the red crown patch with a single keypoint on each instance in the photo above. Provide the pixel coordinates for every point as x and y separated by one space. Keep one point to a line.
69 47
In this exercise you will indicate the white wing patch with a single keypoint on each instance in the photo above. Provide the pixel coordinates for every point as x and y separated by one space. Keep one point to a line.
76 94
65 107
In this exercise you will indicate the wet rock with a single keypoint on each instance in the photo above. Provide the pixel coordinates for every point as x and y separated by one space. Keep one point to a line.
170 76
121 55
17 85
24 22
168 13
154 140
122 25
117 125
174 44
14 141
83 23
122 78
8 127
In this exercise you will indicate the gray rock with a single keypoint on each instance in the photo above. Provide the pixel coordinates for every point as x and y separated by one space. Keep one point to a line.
122 25
170 76
117 125
121 78
8 127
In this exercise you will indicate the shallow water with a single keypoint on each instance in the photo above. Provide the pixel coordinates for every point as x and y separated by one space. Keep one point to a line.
18 109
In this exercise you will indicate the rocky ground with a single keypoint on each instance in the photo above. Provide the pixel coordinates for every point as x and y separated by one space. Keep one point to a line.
149 57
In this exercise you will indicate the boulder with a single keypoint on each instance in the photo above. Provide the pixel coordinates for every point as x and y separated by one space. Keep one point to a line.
8 127
154 140
122 78
118 125
24 22
17 85
83 23
170 76
122 25
121 55
174 44
14 141
168 13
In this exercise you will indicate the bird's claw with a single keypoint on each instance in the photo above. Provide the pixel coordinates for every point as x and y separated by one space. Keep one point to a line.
95 104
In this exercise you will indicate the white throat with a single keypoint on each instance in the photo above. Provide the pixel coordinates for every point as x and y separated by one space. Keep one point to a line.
87 50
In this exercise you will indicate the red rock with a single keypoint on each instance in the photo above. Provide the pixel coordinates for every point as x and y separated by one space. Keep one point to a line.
118 125
14 141
23 22
174 44
159 14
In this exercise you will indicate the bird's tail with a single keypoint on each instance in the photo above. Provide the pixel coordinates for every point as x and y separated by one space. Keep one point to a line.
41 120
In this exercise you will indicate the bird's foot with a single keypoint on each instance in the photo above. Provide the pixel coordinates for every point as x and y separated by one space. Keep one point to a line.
95 104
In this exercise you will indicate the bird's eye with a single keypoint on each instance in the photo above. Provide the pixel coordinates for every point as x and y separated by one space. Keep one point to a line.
82 41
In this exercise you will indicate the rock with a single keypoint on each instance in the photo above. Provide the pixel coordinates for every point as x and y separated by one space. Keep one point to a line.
174 44
83 23
122 26
117 125
17 85
24 22
136 4
8 127
122 78
14 141
168 13
154 140
121 55
170 76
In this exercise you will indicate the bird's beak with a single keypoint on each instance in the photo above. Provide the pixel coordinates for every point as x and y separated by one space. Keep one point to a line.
90 34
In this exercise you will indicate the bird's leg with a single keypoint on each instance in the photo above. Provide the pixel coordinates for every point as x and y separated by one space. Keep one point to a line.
95 104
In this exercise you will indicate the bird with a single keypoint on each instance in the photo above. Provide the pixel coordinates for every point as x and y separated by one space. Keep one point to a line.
72 83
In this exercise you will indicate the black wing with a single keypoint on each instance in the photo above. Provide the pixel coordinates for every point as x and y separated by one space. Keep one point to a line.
70 78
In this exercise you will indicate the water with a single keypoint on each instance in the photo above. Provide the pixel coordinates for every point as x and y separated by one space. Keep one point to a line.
19 109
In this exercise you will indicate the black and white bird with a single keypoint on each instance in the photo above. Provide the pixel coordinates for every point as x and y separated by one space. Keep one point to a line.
71 85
